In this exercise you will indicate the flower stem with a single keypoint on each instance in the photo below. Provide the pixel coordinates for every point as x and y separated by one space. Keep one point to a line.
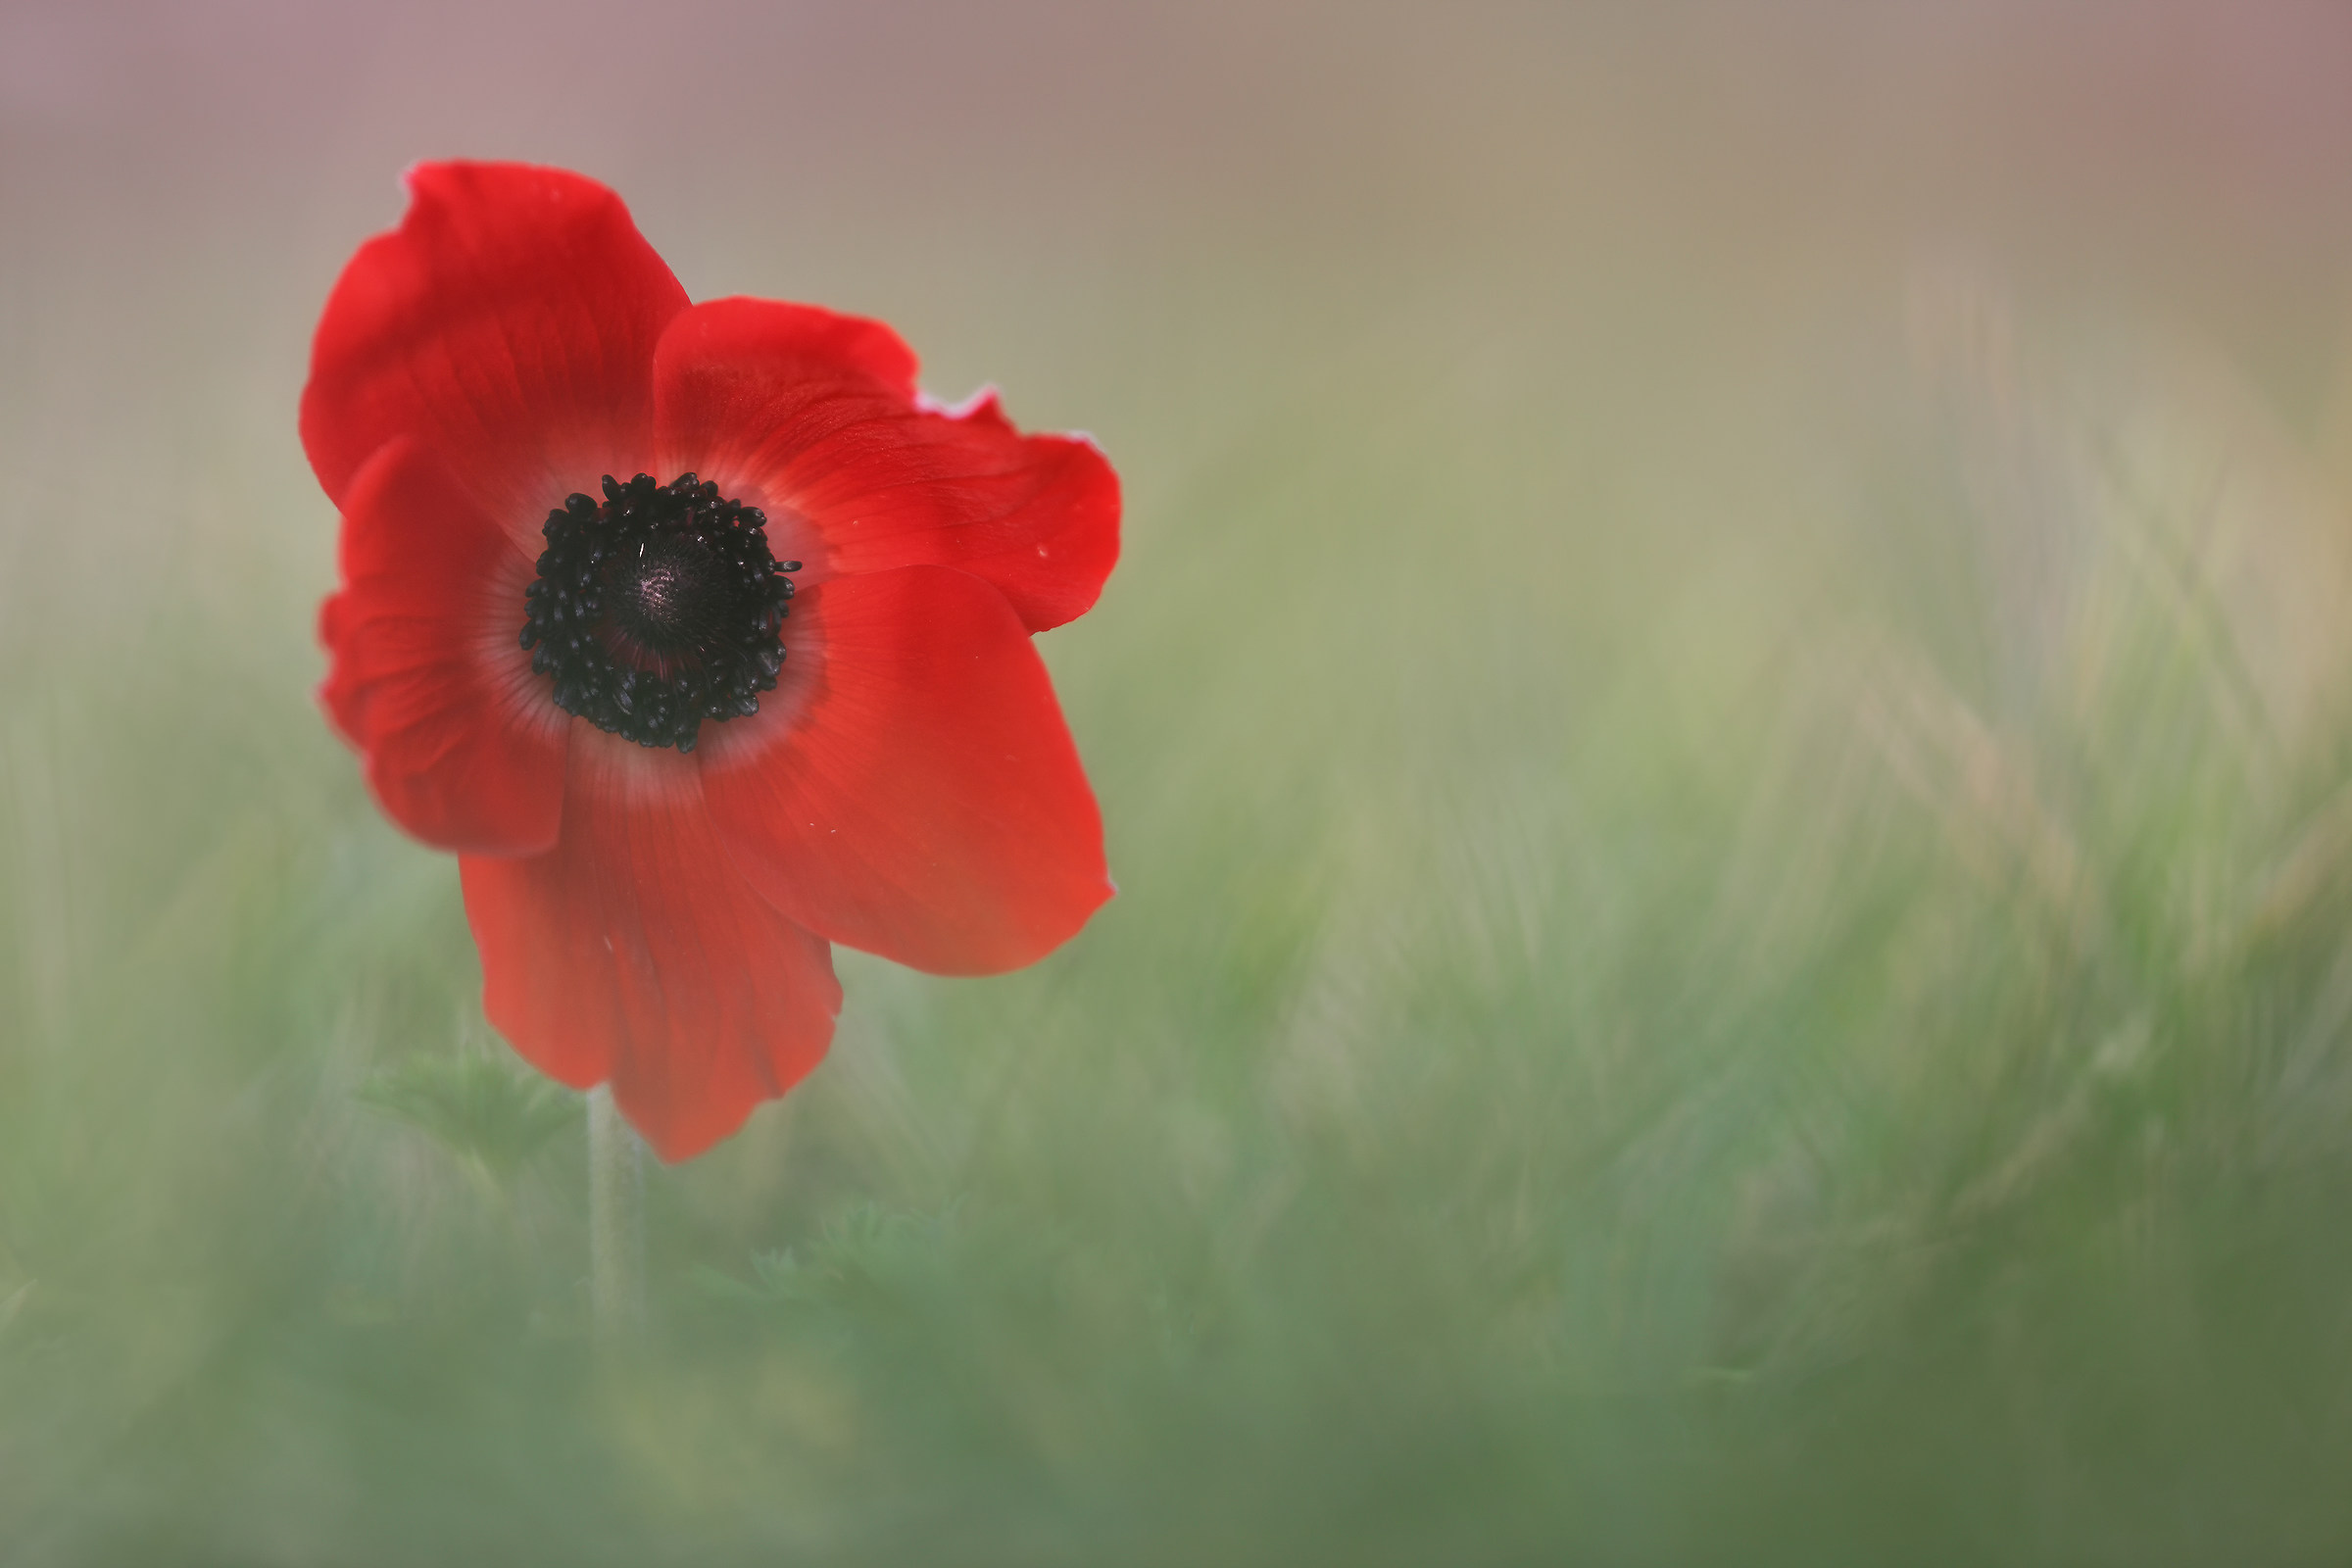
615 1219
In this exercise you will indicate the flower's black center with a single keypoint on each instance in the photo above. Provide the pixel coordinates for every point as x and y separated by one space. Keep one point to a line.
658 610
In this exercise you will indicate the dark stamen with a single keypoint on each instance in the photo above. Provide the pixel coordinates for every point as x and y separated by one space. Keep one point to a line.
658 610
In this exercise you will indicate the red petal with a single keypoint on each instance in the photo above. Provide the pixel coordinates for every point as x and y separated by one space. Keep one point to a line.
634 952
812 413
508 326
910 787
461 743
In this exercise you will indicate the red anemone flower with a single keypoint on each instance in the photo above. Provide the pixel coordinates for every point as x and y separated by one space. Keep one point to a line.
698 633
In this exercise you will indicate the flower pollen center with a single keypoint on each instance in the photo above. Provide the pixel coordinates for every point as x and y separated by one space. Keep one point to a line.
670 597
658 608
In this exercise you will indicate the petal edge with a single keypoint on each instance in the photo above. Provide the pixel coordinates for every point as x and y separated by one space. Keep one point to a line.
779 400
508 323
633 953
458 744
915 793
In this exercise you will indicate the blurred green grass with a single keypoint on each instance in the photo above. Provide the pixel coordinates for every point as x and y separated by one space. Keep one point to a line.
1752 973
1735 855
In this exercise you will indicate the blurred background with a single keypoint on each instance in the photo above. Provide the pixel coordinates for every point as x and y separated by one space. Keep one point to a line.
1723 730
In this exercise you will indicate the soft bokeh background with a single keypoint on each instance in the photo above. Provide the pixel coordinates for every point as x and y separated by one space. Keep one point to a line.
1725 732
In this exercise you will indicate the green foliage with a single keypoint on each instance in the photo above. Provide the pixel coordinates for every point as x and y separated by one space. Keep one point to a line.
496 1117
866 1254
1708 969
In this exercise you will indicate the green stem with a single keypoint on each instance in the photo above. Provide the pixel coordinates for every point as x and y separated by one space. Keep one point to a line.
615 1219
